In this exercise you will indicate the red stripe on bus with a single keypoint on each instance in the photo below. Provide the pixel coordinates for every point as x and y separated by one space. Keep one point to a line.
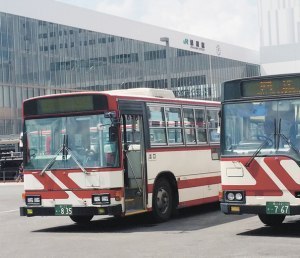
89 193
46 181
189 183
282 174
198 182
49 194
199 201
66 180
195 202
62 176
82 193
264 186
86 194
187 148
89 170
163 101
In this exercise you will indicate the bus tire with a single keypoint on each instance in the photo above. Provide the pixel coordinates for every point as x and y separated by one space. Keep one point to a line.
271 220
162 201
81 219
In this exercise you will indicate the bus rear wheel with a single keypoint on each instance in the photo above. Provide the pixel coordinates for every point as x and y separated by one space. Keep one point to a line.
81 219
162 202
271 220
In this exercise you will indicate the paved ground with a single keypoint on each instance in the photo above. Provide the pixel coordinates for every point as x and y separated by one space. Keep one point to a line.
197 232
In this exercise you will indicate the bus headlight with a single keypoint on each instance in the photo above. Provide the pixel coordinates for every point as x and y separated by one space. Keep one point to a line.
33 200
234 196
238 196
100 199
230 196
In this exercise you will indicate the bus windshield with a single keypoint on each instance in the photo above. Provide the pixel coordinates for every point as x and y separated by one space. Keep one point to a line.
69 142
268 127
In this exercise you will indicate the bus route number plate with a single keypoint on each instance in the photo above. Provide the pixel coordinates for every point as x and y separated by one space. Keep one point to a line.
63 210
278 208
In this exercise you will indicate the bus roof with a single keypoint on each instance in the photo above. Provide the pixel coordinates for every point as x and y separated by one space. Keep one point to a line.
136 93
149 92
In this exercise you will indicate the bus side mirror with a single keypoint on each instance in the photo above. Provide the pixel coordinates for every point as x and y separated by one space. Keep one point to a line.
219 124
113 133
113 117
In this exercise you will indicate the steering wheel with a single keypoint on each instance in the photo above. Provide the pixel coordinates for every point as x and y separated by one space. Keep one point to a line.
90 155
33 152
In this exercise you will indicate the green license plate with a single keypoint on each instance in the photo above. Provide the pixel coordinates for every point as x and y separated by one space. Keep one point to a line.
278 208
63 210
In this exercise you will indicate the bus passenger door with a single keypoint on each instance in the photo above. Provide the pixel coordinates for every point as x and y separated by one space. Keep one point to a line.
134 162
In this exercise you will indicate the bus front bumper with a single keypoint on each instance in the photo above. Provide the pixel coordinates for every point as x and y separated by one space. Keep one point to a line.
237 208
31 211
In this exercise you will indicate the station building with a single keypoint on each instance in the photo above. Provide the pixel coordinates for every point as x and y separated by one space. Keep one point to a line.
279 36
47 47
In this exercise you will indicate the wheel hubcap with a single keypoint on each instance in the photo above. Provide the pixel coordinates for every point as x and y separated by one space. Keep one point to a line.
162 200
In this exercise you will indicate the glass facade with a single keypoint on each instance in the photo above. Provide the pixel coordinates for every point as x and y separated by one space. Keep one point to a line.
38 58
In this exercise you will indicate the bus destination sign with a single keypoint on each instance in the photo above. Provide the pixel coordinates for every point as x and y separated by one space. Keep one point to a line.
266 87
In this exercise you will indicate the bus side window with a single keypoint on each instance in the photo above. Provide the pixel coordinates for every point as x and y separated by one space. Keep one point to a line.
157 125
213 123
189 125
200 125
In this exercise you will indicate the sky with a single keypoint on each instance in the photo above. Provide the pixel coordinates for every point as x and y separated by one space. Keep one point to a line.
231 21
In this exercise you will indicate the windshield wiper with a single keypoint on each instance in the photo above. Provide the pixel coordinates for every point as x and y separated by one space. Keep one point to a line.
73 156
291 145
52 161
265 143
64 150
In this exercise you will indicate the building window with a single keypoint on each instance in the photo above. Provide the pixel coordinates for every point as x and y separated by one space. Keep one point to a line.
101 40
153 55
111 39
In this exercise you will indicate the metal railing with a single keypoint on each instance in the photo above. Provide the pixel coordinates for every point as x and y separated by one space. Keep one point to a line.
9 166
8 175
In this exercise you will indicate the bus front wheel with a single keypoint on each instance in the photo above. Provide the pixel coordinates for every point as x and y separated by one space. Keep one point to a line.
162 203
271 220
81 219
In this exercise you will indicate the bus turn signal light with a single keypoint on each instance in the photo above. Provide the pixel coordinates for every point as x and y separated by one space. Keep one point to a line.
118 196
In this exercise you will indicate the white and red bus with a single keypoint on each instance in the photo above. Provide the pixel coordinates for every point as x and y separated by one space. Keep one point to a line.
119 153
260 142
